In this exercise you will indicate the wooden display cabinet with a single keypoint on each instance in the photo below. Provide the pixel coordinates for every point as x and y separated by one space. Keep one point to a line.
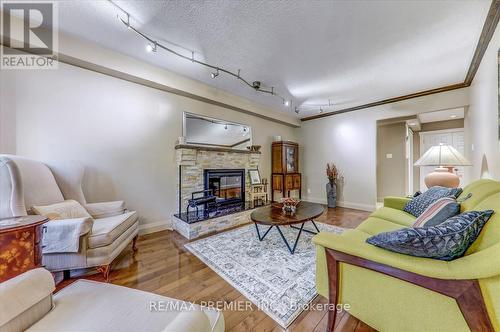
285 168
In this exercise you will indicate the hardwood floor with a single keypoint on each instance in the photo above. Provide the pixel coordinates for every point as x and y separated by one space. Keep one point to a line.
163 266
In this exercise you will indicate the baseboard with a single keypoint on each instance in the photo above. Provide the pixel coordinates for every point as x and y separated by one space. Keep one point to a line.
357 206
344 204
314 200
154 227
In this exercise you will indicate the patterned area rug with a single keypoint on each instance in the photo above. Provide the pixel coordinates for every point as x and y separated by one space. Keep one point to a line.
279 283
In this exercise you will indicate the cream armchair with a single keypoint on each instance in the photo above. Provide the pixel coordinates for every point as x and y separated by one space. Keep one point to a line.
95 306
25 183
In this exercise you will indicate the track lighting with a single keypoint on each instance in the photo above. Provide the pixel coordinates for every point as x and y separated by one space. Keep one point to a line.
128 22
151 48
256 85
319 107
214 75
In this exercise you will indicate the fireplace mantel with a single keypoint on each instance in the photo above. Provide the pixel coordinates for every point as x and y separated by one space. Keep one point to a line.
193 160
213 148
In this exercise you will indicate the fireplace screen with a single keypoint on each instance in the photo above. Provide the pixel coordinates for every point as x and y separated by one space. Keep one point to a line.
228 185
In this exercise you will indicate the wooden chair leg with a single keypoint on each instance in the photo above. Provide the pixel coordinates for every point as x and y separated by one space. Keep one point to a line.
473 308
134 243
104 269
467 293
333 286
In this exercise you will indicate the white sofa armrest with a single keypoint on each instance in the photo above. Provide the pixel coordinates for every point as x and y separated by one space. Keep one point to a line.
105 209
63 235
22 292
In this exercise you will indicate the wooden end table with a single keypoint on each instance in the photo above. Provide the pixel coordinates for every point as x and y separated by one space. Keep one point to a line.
20 244
274 217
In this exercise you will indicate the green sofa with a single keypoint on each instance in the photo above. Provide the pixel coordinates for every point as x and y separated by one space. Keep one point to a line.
395 292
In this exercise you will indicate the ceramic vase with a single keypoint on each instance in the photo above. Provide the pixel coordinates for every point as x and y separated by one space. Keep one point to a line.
331 194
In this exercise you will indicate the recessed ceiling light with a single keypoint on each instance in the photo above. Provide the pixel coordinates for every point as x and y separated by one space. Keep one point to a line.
286 103
453 116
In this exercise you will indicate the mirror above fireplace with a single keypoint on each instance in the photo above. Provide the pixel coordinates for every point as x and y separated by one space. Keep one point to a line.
204 131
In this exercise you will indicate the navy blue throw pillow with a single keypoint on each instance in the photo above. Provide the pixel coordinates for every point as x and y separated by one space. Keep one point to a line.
446 241
417 205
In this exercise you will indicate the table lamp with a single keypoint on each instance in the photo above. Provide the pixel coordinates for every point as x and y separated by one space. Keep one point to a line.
445 157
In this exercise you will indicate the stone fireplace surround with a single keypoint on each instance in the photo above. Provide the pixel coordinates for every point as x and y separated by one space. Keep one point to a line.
191 162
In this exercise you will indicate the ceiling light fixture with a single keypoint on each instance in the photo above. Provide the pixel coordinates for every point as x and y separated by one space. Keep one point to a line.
128 22
151 47
286 103
214 75
256 85
453 116
312 107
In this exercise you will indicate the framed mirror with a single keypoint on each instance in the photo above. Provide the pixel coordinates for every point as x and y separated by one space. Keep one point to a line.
205 131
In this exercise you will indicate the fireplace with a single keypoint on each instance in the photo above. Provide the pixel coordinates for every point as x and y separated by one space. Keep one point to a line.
228 185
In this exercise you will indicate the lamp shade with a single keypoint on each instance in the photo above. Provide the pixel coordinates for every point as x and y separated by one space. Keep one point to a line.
442 155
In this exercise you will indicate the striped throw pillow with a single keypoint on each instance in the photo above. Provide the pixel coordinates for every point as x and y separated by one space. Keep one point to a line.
438 212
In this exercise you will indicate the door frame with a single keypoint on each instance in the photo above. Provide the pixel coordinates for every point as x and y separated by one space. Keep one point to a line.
410 136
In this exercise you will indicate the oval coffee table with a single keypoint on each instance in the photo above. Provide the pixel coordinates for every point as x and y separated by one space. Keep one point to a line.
275 217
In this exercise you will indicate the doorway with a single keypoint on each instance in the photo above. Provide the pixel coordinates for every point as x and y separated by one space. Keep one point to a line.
402 141
453 137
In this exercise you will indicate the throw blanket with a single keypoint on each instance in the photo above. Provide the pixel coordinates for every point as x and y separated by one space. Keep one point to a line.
64 235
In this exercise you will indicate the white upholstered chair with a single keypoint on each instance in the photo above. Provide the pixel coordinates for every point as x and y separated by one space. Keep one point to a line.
99 240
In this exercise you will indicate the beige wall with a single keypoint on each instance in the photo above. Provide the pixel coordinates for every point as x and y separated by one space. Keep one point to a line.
481 122
124 133
391 172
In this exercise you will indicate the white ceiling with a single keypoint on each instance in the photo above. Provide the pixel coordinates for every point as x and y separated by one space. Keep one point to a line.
351 52
444 115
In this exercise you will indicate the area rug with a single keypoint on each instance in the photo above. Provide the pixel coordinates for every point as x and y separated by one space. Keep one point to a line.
279 283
